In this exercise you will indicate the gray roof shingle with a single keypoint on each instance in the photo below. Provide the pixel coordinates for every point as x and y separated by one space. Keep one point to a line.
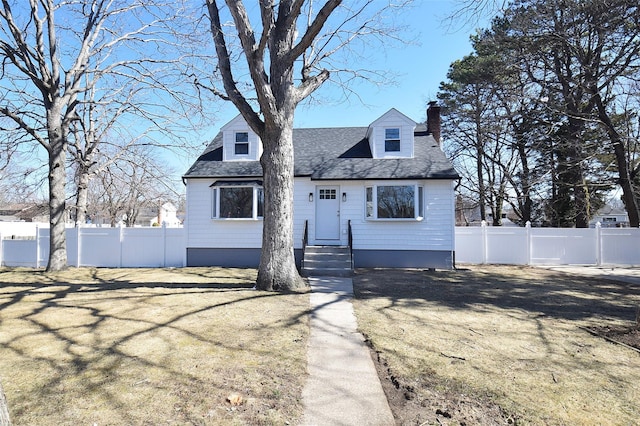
335 154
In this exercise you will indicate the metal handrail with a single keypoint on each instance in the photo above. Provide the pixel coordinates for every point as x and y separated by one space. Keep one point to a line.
350 242
305 240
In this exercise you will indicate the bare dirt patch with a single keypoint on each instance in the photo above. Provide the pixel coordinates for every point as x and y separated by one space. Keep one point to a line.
150 346
500 345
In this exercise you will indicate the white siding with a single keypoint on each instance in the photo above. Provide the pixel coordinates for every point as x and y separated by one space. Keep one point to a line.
435 232
204 232
303 209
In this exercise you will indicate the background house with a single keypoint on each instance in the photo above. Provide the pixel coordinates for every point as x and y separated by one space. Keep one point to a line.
25 212
388 184
610 217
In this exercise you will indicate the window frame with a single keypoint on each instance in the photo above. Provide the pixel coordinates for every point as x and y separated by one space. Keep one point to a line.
371 203
257 202
241 143
392 140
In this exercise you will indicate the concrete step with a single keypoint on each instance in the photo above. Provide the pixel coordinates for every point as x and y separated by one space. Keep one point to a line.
328 249
327 261
328 256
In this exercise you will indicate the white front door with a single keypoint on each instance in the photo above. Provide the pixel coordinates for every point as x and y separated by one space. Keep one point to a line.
328 213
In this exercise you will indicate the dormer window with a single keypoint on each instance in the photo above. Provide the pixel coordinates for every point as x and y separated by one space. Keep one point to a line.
239 143
242 143
392 136
392 139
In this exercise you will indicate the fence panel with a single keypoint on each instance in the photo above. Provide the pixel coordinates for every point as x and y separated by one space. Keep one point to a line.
19 253
142 247
555 246
99 247
176 247
620 246
507 246
470 246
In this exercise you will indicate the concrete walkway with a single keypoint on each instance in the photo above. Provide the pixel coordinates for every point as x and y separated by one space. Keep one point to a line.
343 387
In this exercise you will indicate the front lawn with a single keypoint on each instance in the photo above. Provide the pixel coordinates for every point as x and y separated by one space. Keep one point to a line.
150 346
500 345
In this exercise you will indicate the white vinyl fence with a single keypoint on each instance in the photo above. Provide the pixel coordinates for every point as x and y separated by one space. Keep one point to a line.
548 246
100 247
165 247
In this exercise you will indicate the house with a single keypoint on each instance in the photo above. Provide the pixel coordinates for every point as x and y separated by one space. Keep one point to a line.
610 217
166 215
26 212
387 187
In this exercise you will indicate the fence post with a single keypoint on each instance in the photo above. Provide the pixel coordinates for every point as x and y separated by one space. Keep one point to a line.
527 227
37 246
598 243
78 246
121 239
164 244
185 230
485 248
1 247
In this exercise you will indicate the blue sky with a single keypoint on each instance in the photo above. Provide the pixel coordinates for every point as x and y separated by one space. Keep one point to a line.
420 68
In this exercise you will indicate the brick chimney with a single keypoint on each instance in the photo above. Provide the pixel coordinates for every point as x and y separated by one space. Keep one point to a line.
433 120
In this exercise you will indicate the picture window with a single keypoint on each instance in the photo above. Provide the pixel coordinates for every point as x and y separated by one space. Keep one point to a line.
394 202
241 202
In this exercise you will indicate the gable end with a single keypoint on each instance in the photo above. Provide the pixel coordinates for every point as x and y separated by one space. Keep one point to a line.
392 136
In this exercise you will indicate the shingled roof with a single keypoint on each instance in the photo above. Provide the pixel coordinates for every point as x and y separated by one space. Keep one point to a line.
335 154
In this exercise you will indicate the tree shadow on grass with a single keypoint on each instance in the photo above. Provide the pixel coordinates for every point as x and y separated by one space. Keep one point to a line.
499 334
152 338
537 291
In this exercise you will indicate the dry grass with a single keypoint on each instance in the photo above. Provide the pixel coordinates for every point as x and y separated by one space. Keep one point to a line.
507 335
150 346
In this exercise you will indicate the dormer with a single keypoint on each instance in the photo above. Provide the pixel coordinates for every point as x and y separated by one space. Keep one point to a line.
239 142
391 135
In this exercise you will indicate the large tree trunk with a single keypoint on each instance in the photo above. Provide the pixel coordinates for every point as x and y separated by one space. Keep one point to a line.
4 409
624 179
277 270
482 192
524 201
57 196
575 175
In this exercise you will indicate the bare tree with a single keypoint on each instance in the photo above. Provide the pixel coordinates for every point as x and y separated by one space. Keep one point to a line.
21 176
293 37
55 52
121 189
113 125
467 13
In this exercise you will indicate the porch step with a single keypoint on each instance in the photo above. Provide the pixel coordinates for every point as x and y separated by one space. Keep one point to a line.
327 261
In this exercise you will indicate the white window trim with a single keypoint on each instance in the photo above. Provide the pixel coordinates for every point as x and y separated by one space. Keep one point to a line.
399 139
215 204
235 143
418 199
